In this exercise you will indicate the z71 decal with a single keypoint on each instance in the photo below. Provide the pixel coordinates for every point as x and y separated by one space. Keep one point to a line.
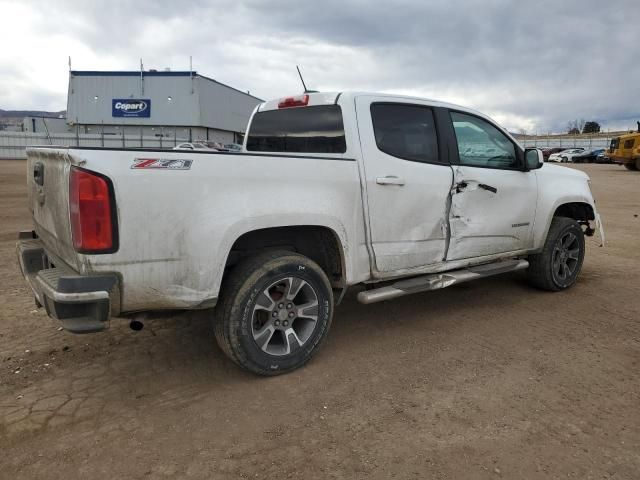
162 163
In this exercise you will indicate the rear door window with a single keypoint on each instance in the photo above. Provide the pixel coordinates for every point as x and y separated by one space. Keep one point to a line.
317 129
405 131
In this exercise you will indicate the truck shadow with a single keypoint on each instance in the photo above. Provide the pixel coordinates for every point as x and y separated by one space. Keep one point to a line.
186 341
174 363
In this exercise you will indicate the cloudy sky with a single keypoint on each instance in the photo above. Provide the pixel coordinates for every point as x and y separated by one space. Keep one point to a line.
531 65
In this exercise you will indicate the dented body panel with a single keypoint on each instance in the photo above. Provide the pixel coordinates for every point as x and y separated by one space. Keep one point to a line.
407 201
485 222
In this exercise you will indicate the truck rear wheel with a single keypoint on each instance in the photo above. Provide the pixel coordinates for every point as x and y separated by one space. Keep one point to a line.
559 263
274 312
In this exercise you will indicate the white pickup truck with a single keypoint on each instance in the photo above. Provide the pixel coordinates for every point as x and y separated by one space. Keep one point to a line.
396 194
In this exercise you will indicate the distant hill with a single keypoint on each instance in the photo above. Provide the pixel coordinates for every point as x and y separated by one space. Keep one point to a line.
30 113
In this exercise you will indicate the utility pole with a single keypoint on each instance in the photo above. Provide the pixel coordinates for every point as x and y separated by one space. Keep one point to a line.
191 72
141 77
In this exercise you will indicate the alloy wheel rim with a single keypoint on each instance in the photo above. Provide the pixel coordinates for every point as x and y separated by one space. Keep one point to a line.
566 256
285 315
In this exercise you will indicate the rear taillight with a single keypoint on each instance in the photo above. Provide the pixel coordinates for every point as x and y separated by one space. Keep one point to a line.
93 225
297 101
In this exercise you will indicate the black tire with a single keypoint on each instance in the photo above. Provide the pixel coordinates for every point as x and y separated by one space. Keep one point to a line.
239 314
630 166
545 268
564 160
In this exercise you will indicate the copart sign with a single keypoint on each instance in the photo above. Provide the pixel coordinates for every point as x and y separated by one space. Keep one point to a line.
131 107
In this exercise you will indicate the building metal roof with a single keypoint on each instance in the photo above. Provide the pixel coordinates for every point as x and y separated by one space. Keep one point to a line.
149 73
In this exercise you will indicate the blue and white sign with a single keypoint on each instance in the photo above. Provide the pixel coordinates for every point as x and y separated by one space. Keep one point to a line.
131 107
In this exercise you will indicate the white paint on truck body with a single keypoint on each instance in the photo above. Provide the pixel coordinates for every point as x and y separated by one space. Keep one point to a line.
559 186
406 201
177 226
485 222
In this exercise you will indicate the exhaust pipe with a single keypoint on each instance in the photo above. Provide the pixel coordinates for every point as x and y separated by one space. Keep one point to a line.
136 324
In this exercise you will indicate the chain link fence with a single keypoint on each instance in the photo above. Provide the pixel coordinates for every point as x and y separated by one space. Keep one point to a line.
13 144
593 142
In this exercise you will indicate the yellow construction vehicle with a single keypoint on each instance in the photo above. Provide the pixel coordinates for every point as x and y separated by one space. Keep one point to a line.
625 150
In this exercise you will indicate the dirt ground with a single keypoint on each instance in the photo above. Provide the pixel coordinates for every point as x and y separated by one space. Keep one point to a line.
484 380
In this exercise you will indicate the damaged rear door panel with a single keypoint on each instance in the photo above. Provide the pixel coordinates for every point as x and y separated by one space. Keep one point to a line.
407 182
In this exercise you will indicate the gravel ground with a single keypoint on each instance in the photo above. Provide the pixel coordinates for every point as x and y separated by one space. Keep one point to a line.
484 380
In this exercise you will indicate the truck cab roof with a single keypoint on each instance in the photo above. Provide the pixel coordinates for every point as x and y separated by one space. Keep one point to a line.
311 99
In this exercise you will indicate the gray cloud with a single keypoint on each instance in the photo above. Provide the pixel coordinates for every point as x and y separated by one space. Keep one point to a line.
532 66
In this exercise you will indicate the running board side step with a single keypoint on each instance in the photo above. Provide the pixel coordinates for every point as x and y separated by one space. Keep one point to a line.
440 280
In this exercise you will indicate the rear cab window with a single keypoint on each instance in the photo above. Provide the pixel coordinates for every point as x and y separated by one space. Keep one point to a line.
307 129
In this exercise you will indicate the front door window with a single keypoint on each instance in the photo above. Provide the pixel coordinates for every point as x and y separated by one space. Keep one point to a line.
480 144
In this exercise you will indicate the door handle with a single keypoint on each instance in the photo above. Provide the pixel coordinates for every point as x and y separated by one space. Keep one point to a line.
390 180
488 187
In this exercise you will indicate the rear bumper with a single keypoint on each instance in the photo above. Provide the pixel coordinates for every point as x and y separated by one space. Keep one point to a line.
84 304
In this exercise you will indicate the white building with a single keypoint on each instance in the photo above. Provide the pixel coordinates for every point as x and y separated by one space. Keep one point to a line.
167 104
45 125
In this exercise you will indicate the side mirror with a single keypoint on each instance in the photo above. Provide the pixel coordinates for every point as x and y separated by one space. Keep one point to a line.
533 158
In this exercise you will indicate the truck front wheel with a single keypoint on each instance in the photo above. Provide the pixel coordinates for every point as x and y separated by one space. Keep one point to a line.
559 263
274 311
631 166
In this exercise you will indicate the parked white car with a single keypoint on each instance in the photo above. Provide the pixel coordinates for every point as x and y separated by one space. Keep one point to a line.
565 156
331 191
192 146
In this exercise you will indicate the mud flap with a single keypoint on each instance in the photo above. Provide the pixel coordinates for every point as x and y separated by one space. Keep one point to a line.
600 229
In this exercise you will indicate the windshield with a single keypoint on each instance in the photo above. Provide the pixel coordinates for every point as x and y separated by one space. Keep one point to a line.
614 143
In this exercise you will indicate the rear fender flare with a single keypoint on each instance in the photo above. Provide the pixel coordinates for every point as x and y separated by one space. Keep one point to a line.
244 226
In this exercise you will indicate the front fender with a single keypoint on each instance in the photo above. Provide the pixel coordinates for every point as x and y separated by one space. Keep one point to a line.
540 234
560 186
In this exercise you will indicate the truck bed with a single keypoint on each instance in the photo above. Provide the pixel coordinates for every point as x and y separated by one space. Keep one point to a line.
178 213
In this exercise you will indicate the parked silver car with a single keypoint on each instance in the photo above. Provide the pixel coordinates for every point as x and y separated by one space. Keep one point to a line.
565 156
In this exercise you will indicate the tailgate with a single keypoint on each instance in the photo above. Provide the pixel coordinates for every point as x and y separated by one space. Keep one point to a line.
48 193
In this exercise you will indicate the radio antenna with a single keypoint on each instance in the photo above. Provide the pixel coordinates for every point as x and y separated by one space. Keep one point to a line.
306 90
